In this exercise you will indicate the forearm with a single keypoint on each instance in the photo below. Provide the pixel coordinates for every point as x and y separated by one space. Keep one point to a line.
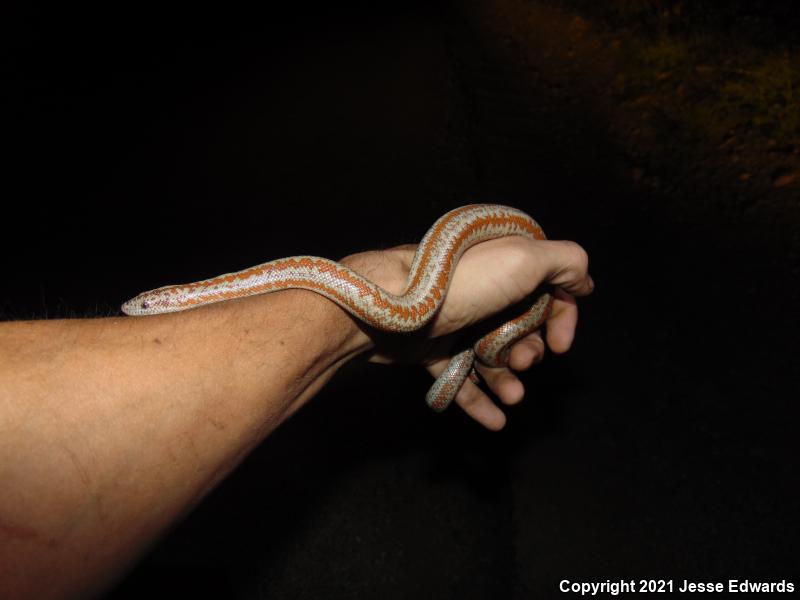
111 428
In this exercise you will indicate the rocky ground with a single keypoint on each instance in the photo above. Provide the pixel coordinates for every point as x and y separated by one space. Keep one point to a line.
655 98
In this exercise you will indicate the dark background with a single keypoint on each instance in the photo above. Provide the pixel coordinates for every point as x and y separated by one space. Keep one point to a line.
145 147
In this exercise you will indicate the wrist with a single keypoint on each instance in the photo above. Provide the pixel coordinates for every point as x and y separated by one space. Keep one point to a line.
387 269
300 321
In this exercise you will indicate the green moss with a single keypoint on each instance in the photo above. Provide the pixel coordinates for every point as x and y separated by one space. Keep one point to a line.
714 68
664 61
711 84
767 91
665 54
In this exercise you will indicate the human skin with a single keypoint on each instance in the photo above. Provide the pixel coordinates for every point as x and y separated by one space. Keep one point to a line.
112 429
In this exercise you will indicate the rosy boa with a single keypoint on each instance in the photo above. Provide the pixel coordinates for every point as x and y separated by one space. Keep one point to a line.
428 281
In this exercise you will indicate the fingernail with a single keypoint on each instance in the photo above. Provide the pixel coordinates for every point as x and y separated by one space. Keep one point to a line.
591 283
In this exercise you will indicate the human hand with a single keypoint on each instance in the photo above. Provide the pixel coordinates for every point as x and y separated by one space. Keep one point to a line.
489 278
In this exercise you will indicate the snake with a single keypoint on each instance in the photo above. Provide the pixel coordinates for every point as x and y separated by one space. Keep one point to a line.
428 281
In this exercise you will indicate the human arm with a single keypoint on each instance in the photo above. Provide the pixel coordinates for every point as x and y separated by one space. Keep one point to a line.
111 429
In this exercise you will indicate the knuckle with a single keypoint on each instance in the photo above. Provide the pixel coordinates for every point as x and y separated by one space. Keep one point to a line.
578 257
517 255
508 378
468 396
534 340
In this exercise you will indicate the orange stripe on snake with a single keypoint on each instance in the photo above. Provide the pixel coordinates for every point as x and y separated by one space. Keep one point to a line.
428 281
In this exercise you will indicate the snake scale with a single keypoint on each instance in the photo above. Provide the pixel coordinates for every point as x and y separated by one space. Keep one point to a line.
428 281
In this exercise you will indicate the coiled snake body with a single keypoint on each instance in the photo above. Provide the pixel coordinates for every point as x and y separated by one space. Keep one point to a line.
428 281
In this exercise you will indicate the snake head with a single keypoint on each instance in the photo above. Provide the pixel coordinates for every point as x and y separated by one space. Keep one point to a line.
139 305
165 299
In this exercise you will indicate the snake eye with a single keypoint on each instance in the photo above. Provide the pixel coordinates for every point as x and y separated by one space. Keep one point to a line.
145 304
